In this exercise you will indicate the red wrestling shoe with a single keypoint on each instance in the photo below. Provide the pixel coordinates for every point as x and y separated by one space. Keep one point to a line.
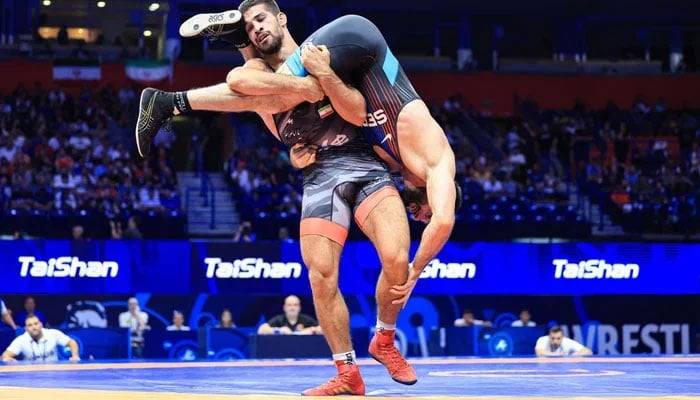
348 381
382 349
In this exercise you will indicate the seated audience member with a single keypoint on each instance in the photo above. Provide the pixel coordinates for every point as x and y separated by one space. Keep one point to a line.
555 344
30 311
226 320
178 322
137 322
291 322
39 344
524 319
468 320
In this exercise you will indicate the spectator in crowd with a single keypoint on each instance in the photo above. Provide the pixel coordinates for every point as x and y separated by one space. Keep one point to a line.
469 320
31 311
283 235
524 319
178 322
556 345
62 36
245 233
6 315
137 322
492 186
131 232
78 232
149 199
291 322
66 154
39 344
226 320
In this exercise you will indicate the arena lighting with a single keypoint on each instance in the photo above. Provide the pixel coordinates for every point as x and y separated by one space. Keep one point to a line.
153 7
47 3
147 33
101 4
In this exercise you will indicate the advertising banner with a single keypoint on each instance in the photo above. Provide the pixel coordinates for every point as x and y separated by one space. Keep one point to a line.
184 267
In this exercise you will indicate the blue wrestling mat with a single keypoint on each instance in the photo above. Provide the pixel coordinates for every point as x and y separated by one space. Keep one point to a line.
608 377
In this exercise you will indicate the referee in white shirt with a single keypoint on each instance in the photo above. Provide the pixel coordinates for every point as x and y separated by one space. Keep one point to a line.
555 344
39 344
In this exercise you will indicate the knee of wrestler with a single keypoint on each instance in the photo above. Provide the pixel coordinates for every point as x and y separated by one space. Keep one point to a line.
322 277
395 263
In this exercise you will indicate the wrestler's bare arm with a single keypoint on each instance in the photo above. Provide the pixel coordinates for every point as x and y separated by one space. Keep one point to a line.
347 101
266 105
270 104
256 82
430 155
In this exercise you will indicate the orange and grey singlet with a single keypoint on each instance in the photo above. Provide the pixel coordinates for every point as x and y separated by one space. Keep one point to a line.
347 179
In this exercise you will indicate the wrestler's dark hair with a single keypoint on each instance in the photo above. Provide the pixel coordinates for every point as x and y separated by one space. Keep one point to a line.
555 329
458 197
419 196
270 5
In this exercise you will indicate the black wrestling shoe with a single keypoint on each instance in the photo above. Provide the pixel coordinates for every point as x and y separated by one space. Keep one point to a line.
155 111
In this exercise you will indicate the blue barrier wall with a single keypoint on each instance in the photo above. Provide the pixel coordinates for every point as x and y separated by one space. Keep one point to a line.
616 298
181 267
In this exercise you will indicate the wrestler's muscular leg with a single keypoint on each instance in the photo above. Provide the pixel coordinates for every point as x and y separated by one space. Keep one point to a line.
386 226
322 257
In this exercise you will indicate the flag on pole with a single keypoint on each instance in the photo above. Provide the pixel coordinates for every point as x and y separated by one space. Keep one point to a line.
148 71
76 69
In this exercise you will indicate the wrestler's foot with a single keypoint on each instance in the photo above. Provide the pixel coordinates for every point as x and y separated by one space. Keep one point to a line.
348 381
155 111
382 349
228 26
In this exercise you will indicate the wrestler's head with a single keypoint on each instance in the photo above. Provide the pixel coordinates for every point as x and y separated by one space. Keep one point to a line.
265 25
416 201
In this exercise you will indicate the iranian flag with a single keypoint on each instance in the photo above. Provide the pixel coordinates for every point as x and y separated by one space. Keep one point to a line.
148 71
76 69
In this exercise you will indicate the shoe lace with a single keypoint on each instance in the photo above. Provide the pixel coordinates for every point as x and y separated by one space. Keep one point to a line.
396 360
210 33
331 382
214 34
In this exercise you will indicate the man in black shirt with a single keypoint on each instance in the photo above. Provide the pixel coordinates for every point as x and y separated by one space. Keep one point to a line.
291 322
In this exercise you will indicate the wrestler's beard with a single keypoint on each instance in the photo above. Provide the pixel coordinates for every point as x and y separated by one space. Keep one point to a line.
274 46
